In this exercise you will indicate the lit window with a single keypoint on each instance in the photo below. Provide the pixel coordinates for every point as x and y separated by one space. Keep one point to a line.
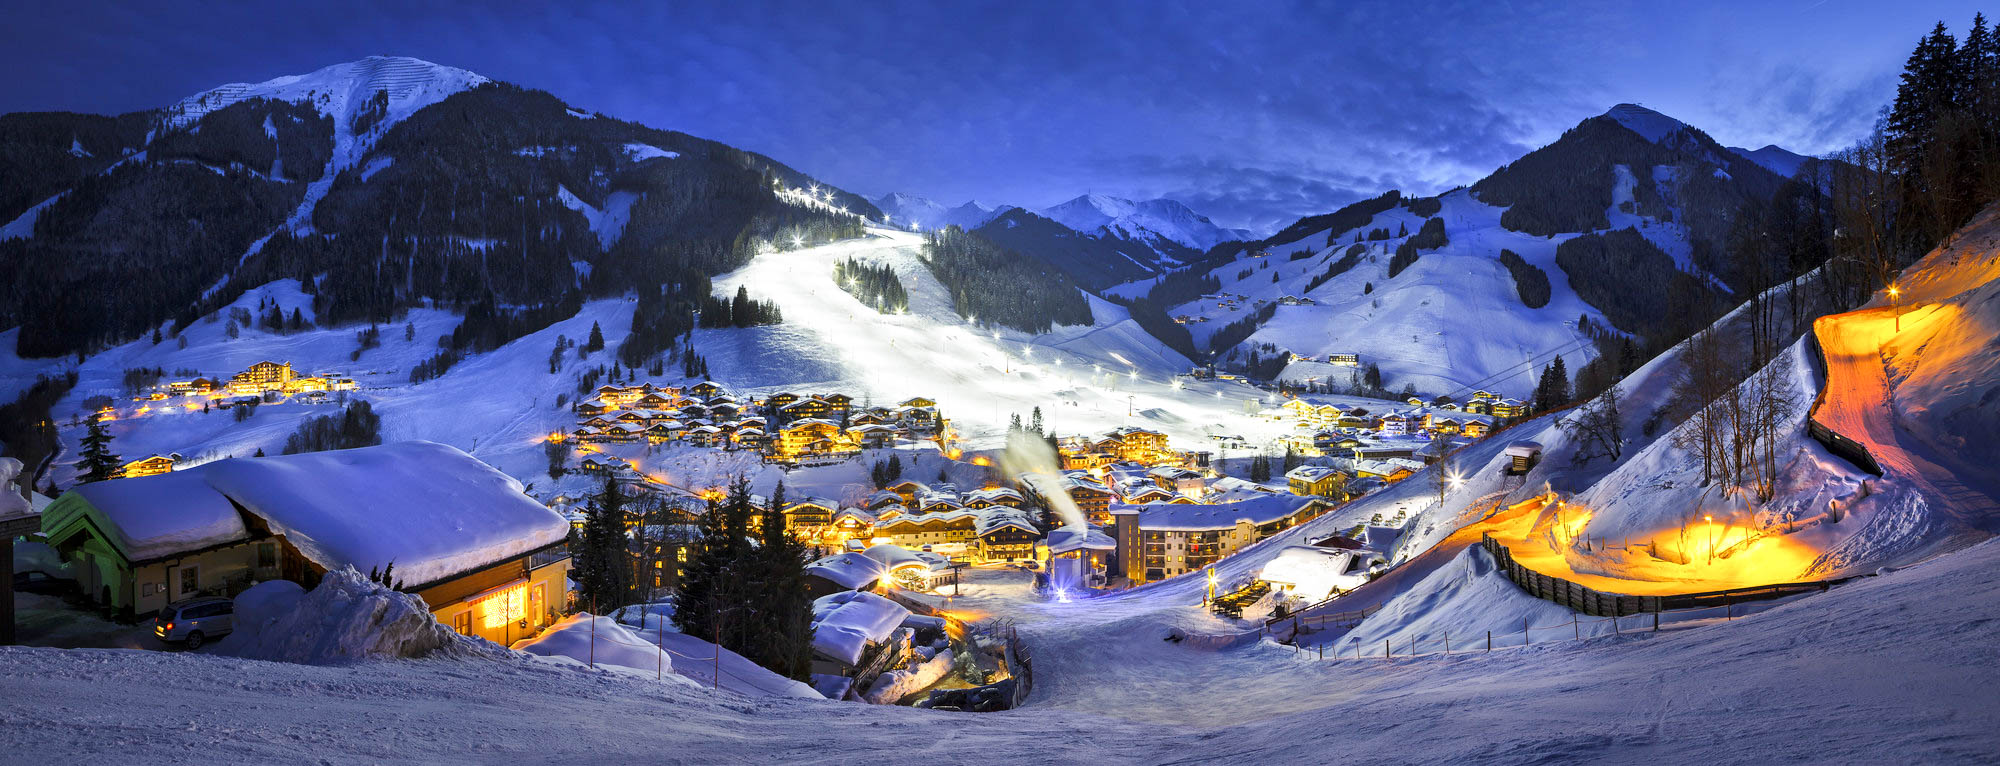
507 606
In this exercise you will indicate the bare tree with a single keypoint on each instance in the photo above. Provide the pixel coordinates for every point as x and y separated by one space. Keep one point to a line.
1596 428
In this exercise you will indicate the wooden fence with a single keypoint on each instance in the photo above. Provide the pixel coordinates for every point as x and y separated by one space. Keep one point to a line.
1019 665
1600 604
1850 450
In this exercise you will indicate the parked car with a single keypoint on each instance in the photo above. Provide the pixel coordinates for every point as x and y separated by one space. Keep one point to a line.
43 583
195 621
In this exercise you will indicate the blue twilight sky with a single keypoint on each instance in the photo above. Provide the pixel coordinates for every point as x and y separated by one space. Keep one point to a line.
1254 112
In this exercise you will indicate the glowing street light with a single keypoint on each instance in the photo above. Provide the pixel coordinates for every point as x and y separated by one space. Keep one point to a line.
1896 308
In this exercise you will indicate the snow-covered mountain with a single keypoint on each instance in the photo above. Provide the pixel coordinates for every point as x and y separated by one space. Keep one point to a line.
1522 266
1774 158
1153 219
288 176
341 91
907 209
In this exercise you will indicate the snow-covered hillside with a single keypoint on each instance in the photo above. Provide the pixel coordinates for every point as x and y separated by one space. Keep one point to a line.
1452 322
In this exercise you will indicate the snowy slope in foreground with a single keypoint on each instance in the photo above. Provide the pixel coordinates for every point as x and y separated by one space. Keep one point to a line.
1889 669
1085 378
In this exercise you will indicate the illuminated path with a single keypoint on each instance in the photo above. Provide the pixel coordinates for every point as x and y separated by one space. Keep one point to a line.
1859 405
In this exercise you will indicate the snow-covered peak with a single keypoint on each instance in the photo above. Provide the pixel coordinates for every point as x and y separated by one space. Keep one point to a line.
339 90
1152 219
1649 124
1774 158
906 209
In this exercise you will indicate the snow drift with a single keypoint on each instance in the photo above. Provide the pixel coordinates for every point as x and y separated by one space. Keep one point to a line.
347 618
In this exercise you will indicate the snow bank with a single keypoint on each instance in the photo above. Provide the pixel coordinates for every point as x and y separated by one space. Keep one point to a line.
1463 599
844 624
589 639
346 618
902 682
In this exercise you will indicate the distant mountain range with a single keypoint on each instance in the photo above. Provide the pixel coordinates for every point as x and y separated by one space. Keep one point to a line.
1101 240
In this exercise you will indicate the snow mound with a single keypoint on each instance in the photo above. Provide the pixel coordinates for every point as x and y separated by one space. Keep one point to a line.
589 639
1464 599
902 682
347 618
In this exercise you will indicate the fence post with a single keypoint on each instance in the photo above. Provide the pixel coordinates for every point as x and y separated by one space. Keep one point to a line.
1728 609
1447 642
1656 618
1525 639
1385 649
1489 640
1574 627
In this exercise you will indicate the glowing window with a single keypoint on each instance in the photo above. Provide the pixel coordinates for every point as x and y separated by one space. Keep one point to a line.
507 606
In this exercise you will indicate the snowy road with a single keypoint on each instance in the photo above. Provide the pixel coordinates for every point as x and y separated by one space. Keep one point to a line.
1889 669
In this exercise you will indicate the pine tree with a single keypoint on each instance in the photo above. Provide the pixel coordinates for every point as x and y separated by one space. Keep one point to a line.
99 462
782 641
596 342
603 570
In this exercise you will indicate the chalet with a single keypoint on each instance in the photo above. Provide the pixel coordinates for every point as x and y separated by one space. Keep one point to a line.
811 407
883 498
487 559
632 417
1344 360
907 489
873 435
1315 480
590 407
1509 408
811 437
655 401
149 466
848 523
811 513
749 437
586 434
1477 429
842 573
918 402
992 496
1381 469
704 390
838 404
704 436
261 377
941 531
623 432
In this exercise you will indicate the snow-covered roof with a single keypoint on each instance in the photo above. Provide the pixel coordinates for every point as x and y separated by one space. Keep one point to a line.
845 623
1071 537
1313 573
1180 516
848 570
154 516
1310 472
430 509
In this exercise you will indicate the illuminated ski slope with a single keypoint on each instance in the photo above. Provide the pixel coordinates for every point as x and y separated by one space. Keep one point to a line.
1085 379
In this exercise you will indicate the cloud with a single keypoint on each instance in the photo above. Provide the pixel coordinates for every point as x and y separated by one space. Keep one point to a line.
1254 114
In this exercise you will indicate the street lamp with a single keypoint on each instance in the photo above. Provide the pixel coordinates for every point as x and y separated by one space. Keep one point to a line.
1894 307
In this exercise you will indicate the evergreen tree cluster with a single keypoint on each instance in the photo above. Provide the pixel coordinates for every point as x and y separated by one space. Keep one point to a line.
749 598
991 285
886 472
1424 207
741 312
1430 236
1260 468
355 426
602 553
1348 218
1406 256
27 426
1235 332
1347 261
1552 390
875 285
1530 281
1943 132
1604 268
